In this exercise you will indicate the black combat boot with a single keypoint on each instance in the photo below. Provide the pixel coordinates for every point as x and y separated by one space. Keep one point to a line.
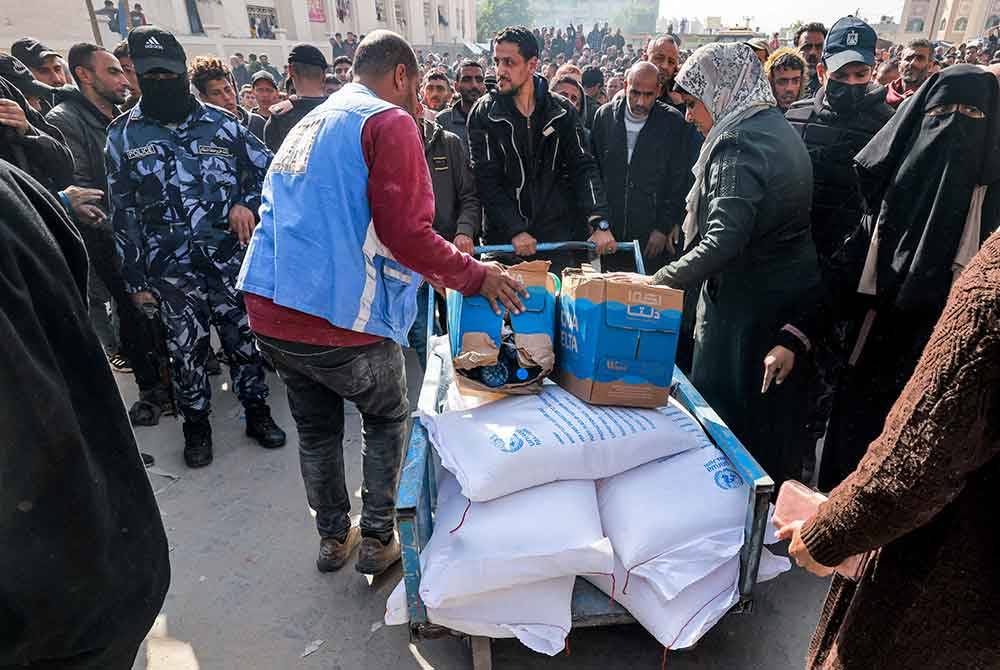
261 427
197 442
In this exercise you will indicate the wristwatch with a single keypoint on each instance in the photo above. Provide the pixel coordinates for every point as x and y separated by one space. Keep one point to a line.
603 225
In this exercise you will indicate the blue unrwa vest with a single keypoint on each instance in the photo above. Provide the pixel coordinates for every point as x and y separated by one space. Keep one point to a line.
315 249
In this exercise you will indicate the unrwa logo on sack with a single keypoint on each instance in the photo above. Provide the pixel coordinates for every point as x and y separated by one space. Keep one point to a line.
728 479
522 437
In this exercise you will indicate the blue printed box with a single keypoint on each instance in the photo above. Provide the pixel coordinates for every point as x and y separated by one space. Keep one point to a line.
475 330
617 340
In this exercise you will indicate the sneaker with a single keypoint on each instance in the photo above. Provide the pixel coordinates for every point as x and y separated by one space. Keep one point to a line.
197 442
261 427
374 557
119 363
333 554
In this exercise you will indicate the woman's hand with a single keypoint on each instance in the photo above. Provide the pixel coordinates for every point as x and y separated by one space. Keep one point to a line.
798 551
778 365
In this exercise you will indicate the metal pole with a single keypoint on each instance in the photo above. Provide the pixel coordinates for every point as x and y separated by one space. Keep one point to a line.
93 23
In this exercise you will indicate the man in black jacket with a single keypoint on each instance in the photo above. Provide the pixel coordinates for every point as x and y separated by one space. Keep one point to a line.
642 149
83 117
835 125
470 84
84 567
533 171
27 140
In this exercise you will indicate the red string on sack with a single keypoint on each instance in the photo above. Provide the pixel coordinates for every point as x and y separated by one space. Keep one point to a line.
663 663
567 645
467 506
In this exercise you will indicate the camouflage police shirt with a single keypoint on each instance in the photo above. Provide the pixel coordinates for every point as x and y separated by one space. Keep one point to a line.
173 185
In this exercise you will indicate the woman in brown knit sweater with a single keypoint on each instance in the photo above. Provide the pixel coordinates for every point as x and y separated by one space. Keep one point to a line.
925 497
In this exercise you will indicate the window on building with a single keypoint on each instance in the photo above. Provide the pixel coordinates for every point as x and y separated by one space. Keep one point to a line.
400 11
915 26
428 15
380 11
944 24
993 22
961 24
263 21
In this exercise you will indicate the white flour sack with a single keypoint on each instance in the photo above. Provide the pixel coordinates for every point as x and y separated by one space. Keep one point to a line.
524 441
676 519
533 535
536 614
679 622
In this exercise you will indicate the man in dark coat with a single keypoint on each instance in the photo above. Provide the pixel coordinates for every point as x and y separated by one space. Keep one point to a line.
85 567
533 172
27 140
307 69
641 147
835 125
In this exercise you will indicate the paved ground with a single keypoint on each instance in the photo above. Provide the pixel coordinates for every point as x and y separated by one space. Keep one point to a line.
245 594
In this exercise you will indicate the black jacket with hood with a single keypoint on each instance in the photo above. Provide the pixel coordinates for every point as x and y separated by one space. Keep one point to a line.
533 175
41 152
456 206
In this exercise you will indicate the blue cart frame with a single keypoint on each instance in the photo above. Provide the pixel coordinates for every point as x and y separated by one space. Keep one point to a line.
417 496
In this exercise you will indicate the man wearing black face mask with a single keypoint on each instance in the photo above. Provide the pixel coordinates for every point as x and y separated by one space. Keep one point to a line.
185 183
835 125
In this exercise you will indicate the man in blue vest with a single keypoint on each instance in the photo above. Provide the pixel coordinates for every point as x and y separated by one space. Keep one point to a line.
348 201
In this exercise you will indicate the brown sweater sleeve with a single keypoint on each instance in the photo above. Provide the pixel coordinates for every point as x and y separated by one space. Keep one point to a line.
941 430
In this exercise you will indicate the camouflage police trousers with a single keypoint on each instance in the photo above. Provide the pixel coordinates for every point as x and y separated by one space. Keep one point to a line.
197 288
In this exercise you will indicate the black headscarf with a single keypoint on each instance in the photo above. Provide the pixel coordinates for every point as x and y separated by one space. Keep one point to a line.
924 170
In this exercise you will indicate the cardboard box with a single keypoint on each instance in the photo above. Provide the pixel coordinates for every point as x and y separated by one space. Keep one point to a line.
617 340
474 330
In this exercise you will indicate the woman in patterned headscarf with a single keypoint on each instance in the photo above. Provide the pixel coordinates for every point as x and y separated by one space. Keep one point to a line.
750 251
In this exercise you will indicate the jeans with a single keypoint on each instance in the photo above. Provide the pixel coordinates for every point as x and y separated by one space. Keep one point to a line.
318 380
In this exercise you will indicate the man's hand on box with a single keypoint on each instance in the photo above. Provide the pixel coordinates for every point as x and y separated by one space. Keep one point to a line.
498 284
605 242
631 277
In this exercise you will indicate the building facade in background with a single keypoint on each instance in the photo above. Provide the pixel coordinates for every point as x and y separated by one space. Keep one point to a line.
954 21
269 27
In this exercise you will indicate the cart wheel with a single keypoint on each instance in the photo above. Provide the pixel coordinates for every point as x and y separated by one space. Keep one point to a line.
482 654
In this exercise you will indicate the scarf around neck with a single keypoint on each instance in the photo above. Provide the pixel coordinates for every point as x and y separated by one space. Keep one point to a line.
729 79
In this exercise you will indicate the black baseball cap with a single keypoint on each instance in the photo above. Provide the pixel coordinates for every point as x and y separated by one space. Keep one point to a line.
592 76
850 40
261 74
153 48
21 78
31 52
307 54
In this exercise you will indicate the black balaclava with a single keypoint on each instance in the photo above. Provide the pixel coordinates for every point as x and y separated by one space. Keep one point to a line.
166 100
844 98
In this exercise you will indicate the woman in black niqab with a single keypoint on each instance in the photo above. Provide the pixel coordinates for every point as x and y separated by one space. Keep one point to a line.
931 180
937 152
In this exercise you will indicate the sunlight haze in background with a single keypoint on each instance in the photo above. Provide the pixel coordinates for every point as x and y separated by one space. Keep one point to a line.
772 16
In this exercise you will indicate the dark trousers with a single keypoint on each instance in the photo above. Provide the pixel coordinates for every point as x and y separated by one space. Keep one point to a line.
318 380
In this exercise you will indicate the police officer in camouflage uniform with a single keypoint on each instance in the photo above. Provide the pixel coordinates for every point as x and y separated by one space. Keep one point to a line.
185 179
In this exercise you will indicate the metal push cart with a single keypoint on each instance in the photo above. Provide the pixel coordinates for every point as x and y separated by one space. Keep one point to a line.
417 497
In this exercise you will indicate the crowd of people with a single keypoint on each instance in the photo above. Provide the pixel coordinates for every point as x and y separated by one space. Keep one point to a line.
815 202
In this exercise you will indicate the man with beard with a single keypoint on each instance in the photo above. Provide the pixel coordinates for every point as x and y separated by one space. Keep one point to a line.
662 52
333 330
809 41
185 181
45 64
639 143
435 93
534 176
786 70
239 69
846 113
470 86
914 69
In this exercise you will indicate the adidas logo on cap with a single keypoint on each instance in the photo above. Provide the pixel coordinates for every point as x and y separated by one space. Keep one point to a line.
153 43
